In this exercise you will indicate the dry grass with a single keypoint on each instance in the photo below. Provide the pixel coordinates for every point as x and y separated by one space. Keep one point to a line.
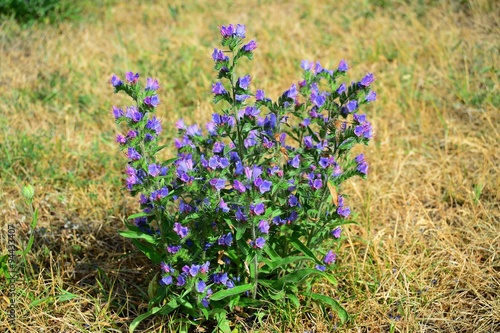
426 256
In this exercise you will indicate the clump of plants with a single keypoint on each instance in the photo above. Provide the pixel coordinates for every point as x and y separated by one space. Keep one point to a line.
250 210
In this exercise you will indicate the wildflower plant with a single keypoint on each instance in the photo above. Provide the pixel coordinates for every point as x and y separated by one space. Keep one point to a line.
250 210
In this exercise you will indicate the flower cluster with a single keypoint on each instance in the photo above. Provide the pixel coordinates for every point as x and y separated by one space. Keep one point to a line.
251 203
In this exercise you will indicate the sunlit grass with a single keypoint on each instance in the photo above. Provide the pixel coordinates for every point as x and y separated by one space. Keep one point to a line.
425 257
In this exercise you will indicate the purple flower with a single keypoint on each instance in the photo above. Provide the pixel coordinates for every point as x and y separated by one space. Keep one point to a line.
342 66
359 118
258 209
352 105
336 232
154 124
372 96
341 210
180 124
218 183
133 154
181 280
152 84
205 302
292 92
218 89
166 280
251 111
227 31
244 82
218 147
318 68
259 95
153 170
265 186
115 81
308 142
259 243
223 206
264 226
133 113
121 139
341 89
242 98
321 268
193 270
226 240
204 268
367 80
218 55
152 101
324 162
131 77
240 31
317 184
363 168
173 249
295 161
166 268
193 130
201 286
306 65
359 158
252 45
239 186
117 112
364 130
180 230
330 257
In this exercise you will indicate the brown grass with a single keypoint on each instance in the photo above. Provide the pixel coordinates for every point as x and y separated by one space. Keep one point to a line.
426 255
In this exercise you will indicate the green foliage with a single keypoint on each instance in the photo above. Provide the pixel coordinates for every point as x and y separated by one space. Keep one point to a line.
27 12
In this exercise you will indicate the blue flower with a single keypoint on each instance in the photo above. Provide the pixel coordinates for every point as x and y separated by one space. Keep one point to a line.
244 82
131 77
152 84
115 81
133 154
180 230
265 186
218 89
264 226
166 280
152 101
226 240
367 80
201 286
252 45
330 257
342 66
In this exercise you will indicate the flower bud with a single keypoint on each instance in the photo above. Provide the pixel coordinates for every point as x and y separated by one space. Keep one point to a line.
28 192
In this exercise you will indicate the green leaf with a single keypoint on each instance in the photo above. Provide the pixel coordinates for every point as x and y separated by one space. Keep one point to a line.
286 261
149 251
296 243
136 215
137 235
230 292
347 143
294 299
341 312
295 277
140 318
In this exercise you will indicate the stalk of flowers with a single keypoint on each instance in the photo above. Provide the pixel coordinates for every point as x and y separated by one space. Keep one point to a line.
248 206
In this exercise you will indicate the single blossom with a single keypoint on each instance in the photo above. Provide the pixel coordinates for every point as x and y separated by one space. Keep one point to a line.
264 226
115 81
330 257
342 66
152 84
252 45
131 77
218 89
367 80
336 232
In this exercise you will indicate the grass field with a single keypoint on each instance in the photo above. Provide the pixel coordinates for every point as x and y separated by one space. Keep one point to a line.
426 254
